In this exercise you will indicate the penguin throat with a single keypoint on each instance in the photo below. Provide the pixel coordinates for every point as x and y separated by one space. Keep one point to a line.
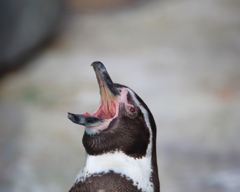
109 105
107 109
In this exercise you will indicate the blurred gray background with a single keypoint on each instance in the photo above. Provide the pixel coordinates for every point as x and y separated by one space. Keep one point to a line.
181 56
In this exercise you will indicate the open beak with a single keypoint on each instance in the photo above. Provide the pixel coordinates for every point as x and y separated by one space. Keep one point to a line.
108 104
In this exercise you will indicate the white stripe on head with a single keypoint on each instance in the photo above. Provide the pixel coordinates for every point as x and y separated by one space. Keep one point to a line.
146 118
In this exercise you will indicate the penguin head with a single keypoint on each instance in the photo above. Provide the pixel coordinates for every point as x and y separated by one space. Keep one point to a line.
122 121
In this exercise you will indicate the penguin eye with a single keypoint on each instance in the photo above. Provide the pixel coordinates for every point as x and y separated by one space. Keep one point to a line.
131 108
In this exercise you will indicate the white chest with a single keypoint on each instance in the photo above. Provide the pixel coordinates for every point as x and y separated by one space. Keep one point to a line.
138 170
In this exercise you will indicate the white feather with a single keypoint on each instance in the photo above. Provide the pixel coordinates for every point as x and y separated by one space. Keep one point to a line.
139 170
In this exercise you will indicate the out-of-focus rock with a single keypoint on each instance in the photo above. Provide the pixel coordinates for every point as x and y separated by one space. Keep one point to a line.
25 25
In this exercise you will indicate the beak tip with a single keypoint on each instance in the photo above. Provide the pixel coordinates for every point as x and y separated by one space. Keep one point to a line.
96 63
70 115
75 118
104 78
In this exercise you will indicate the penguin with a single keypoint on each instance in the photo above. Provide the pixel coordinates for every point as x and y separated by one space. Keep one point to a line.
120 141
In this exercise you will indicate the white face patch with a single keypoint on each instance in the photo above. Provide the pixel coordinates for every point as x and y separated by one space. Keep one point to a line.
138 170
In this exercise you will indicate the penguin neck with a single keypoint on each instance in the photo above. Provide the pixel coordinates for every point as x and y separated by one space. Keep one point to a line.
153 149
139 170
142 171
155 177
150 122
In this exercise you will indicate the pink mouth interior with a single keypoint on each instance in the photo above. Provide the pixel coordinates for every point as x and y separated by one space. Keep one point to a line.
108 105
106 110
